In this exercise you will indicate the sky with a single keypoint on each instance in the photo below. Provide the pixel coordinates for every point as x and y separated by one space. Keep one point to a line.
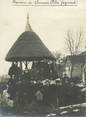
51 23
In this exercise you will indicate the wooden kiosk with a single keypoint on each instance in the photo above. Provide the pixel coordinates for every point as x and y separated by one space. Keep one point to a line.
32 64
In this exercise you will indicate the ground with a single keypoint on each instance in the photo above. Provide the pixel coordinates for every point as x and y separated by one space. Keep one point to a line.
71 110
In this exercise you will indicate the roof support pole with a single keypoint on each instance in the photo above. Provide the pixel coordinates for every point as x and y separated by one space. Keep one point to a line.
26 65
21 65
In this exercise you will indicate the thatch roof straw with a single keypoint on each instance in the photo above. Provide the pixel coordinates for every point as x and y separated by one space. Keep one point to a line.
29 47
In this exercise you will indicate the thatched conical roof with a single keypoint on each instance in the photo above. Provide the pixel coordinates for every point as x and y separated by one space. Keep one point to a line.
28 47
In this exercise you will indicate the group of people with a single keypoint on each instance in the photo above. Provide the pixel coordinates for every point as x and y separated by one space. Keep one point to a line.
23 90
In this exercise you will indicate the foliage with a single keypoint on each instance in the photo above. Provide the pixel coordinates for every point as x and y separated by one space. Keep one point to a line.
4 101
60 62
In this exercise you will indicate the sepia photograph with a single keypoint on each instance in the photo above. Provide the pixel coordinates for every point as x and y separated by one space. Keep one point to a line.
42 58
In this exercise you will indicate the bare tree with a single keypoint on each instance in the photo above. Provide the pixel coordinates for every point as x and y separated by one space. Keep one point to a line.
73 44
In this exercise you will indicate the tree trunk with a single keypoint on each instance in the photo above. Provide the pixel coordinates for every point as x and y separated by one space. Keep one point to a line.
71 71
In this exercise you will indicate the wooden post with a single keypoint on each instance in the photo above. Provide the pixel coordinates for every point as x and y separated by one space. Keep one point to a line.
26 65
21 65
